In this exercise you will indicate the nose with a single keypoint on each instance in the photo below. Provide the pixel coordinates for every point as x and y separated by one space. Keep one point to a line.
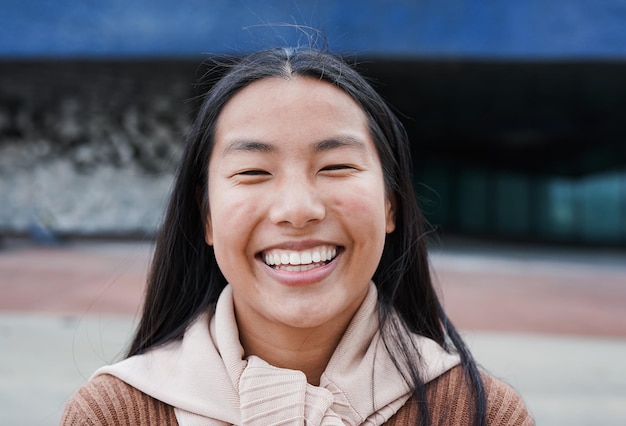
296 202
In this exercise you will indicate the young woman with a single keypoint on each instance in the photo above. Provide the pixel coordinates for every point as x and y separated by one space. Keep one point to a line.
290 282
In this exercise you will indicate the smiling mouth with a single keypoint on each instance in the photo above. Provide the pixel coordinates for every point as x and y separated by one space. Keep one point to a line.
299 261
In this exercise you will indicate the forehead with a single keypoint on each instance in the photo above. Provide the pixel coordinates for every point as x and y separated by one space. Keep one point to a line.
297 105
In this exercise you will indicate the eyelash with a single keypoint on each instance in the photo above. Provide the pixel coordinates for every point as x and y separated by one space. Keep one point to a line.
254 172
337 167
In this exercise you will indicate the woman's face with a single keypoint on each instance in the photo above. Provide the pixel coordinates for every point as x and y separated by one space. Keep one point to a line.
298 208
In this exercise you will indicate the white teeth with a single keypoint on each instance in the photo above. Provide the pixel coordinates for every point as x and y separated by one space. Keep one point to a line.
281 259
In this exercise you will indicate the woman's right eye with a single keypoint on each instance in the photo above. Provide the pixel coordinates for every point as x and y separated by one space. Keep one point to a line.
251 176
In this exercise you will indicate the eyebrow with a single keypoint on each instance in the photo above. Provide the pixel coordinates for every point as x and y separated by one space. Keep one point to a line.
325 145
339 142
248 146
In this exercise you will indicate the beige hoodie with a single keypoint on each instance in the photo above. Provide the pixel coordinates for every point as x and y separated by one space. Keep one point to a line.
209 382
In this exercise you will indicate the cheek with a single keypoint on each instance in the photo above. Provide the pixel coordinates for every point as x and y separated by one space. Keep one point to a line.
234 217
230 222
362 208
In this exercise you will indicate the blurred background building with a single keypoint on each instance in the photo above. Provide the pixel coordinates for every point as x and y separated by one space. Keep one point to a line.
515 109
515 112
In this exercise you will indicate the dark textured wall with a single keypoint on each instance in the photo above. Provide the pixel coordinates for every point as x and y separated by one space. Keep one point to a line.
516 148
90 147
120 113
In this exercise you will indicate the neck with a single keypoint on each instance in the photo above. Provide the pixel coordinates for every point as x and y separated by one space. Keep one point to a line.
307 350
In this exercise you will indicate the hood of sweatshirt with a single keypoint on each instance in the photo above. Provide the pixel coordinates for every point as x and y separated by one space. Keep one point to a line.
209 381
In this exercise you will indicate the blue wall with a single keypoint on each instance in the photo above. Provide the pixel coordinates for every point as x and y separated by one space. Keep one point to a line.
534 29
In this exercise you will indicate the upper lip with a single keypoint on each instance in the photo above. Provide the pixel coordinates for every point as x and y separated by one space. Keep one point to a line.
299 245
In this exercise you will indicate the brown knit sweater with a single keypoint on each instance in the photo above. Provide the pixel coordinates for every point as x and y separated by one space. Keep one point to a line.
106 400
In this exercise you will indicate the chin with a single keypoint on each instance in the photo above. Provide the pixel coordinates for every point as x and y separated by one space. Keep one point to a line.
305 317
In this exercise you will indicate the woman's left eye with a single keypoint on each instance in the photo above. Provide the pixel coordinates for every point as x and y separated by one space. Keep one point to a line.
253 173
337 167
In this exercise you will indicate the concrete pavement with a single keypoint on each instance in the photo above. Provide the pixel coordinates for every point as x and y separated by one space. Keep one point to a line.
552 323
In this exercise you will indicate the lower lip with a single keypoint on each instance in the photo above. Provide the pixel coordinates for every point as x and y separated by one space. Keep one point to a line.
309 277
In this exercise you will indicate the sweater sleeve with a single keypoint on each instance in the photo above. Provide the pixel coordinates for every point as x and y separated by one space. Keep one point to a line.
449 403
504 405
106 400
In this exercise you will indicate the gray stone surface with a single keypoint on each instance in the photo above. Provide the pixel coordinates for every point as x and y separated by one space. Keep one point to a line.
576 381
44 358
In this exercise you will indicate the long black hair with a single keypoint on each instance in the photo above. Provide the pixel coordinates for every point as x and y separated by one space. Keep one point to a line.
185 279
